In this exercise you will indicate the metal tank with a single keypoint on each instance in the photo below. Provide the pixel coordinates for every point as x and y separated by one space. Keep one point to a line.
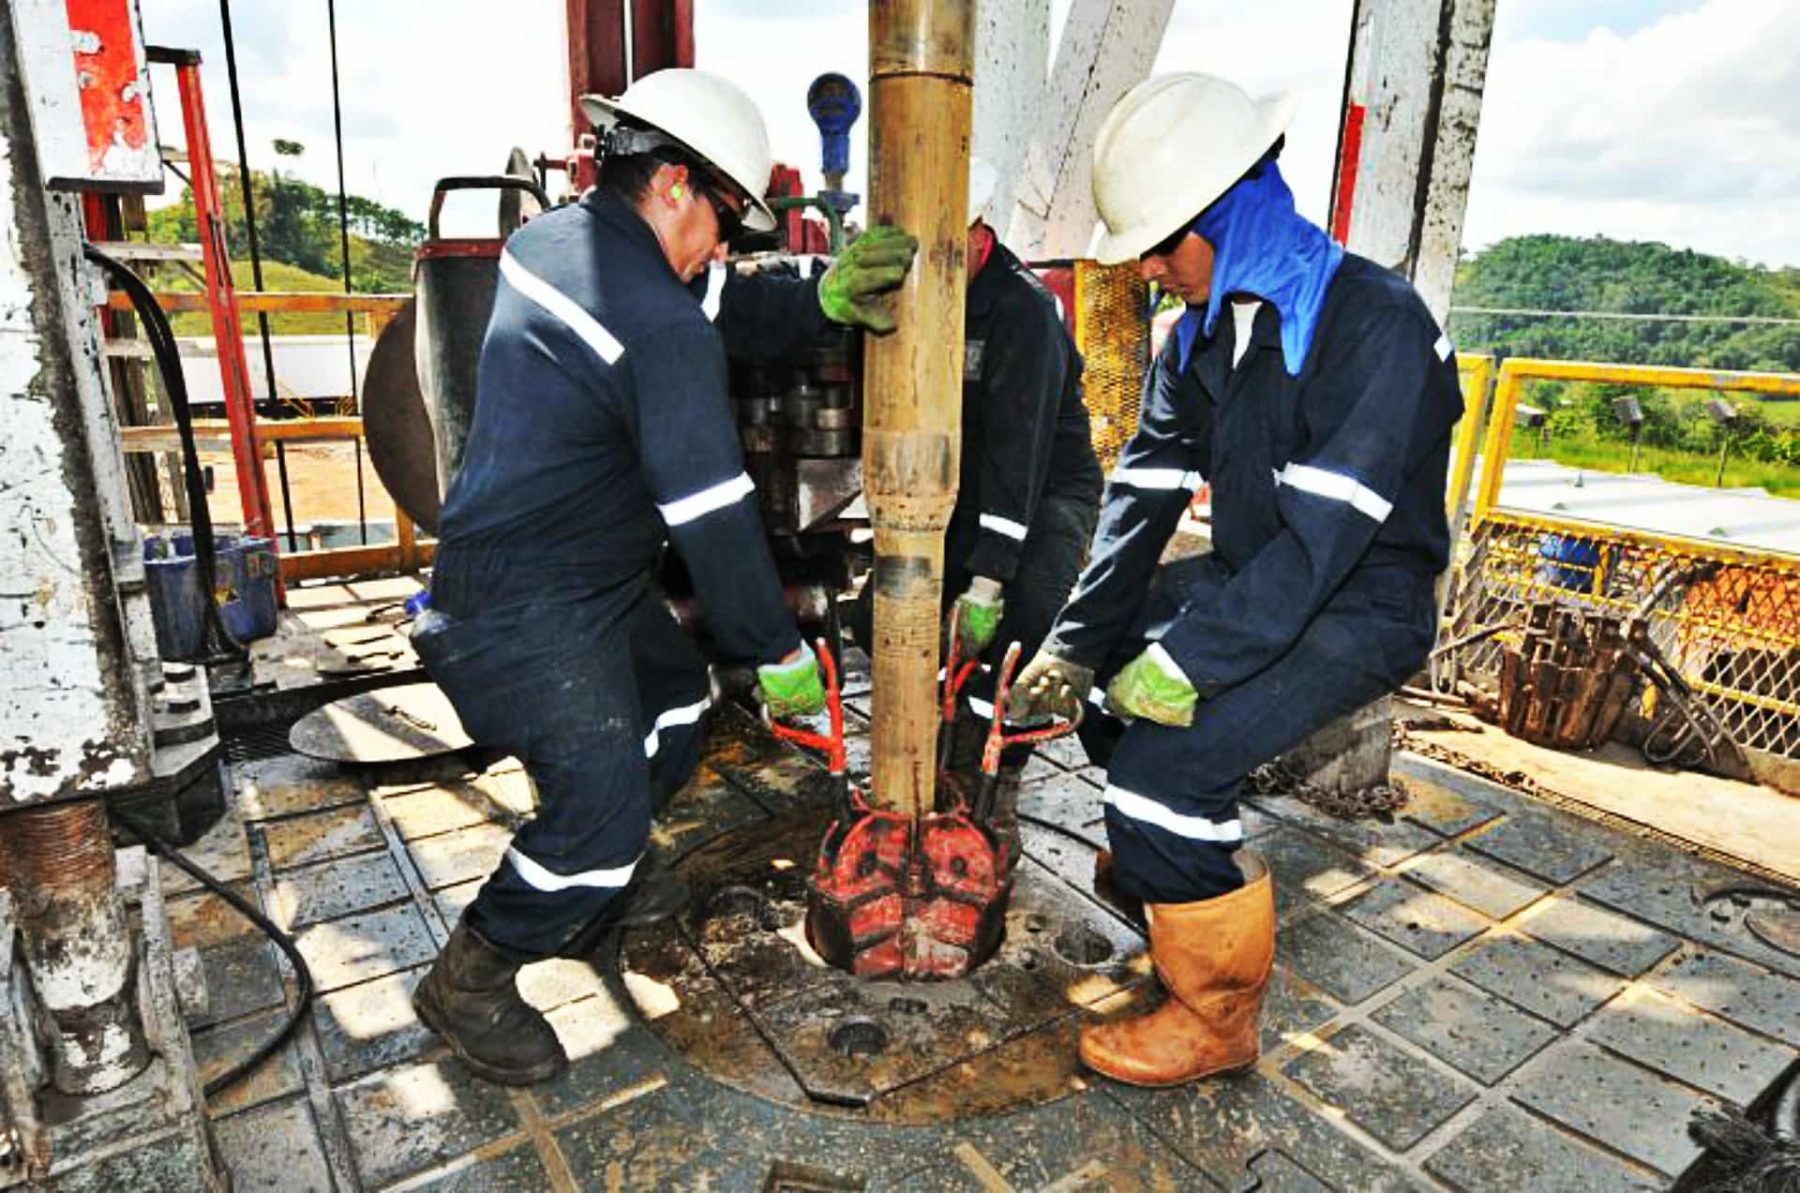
454 280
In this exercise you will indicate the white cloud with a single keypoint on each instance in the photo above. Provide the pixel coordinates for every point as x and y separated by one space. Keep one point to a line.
429 89
1685 130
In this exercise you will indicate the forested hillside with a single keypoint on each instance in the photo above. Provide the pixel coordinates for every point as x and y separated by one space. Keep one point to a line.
297 225
1566 274
1679 440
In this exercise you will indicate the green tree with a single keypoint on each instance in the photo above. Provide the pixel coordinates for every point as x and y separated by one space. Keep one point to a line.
297 224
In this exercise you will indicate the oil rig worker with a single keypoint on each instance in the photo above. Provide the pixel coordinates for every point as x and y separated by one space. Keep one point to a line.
1314 391
603 432
1028 492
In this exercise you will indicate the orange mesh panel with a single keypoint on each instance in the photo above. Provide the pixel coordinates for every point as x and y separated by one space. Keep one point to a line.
1112 331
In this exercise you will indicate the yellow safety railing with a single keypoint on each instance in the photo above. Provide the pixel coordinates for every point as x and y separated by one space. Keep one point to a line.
1515 373
1730 625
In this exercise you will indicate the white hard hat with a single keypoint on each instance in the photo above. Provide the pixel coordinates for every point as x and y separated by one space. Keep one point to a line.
983 178
1168 148
707 114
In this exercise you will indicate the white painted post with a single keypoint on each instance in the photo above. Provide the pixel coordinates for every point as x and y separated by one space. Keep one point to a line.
70 694
1107 47
1012 58
1419 67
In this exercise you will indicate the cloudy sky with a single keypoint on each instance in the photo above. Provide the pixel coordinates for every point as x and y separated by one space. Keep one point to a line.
1670 120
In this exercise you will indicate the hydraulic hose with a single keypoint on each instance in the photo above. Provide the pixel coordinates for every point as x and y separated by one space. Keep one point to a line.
284 942
218 644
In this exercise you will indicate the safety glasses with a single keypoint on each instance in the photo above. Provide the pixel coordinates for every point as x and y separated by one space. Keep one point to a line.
731 221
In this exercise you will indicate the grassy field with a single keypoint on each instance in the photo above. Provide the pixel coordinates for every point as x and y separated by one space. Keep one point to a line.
1781 414
1688 468
277 275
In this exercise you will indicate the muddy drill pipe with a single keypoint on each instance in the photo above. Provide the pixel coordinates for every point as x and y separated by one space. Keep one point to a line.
57 863
921 68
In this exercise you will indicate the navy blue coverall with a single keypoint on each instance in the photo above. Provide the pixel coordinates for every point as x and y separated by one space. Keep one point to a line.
1328 530
603 430
1028 491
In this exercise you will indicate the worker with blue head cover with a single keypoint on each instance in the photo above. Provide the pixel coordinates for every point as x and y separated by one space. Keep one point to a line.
604 435
1315 394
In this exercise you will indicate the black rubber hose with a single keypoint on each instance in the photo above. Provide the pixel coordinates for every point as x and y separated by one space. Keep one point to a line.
1787 1112
248 910
219 644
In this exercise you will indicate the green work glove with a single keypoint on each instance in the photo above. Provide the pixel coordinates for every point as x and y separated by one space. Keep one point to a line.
1153 688
869 266
978 613
1049 686
792 687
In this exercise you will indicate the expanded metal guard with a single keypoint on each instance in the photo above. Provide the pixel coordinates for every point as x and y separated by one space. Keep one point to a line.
1732 629
1729 620
1112 332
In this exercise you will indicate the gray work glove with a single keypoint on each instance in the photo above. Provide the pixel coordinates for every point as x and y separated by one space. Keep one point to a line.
1050 686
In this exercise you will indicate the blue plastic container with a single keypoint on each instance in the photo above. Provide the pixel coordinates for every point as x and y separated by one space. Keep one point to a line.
1570 563
244 576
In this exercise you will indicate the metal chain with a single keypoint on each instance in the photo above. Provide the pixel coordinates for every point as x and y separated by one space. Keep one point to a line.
1363 803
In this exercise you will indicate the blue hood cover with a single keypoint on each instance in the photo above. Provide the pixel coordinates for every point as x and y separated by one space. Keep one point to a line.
1263 247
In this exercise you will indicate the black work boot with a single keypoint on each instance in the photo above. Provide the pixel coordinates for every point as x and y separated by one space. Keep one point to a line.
471 1000
654 893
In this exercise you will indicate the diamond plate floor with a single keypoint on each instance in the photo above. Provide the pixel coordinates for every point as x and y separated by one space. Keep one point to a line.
1485 994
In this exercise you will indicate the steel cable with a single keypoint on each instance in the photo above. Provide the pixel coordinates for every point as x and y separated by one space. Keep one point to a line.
256 276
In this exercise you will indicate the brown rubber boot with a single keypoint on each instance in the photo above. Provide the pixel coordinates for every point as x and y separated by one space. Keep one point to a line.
471 1000
1214 958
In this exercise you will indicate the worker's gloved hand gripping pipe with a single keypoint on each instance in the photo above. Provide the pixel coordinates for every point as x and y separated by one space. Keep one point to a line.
978 612
869 267
792 687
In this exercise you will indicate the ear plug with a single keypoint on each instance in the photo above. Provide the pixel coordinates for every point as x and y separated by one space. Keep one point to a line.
675 192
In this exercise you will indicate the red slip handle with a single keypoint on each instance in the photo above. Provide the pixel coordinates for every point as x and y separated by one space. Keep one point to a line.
998 739
832 745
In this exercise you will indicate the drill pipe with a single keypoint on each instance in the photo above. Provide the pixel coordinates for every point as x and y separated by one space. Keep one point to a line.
58 865
921 70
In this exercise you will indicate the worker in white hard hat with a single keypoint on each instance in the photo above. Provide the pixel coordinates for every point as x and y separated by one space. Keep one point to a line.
604 432
1314 392
1029 487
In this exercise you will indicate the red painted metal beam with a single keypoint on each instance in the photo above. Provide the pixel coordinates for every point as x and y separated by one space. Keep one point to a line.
661 35
1349 159
209 216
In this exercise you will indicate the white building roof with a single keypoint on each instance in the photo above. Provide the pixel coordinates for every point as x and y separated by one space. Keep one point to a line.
1739 517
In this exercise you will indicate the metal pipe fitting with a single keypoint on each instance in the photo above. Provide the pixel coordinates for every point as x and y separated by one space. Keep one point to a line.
57 862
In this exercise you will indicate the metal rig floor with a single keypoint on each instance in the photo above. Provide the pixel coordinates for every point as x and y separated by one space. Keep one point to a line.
1486 993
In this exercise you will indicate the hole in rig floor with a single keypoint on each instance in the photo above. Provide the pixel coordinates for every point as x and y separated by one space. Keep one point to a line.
738 989
859 1037
1079 944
